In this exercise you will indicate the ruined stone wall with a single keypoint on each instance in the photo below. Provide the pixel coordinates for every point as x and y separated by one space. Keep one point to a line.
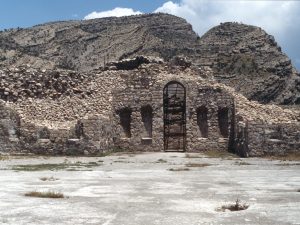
52 102
9 129
145 88
264 129
90 135
43 140
273 139
214 99
139 90
97 132
83 117
57 98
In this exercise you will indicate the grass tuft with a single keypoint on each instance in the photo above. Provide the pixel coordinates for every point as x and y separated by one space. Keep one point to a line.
197 164
241 163
193 156
161 161
237 206
179 169
48 179
3 157
287 164
293 156
56 166
48 194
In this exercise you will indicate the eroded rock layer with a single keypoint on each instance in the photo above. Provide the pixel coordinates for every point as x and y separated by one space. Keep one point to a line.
242 56
248 59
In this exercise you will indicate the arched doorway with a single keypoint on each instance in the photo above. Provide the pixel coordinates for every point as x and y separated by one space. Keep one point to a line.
174 104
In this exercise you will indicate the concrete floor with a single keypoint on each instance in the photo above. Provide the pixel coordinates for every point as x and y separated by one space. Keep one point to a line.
141 190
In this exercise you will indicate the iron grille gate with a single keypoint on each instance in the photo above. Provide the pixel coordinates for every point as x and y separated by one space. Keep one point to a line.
174 104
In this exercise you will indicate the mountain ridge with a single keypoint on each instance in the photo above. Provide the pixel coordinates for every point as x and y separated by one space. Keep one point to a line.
242 56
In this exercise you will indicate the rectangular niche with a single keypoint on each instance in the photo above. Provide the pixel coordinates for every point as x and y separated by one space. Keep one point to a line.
202 121
125 122
147 119
223 122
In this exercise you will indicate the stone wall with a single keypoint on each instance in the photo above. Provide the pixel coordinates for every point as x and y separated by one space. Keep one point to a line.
273 139
97 132
9 129
121 106
90 135
146 89
214 100
259 137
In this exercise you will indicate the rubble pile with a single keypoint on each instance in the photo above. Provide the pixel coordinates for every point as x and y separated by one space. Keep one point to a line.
253 110
57 98
19 83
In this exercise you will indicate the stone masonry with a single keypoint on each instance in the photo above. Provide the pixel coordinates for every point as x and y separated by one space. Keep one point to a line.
125 105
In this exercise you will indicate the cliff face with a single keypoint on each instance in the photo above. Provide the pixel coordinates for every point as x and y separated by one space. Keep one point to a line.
86 45
248 59
244 57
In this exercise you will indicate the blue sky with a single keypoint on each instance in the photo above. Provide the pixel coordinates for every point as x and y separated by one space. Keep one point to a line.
279 18
25 13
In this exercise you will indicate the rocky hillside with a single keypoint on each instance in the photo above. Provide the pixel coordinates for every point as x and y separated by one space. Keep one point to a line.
244 57
248 59
86 45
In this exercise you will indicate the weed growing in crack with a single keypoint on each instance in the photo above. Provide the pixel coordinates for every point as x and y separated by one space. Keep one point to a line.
48 194
237 206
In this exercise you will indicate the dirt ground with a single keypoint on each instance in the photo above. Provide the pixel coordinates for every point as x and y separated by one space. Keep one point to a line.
148 189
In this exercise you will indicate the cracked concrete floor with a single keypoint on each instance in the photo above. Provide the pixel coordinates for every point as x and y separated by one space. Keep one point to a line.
140 189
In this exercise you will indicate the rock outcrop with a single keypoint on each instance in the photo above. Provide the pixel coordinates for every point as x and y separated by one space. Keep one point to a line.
241 56
86 45
248 59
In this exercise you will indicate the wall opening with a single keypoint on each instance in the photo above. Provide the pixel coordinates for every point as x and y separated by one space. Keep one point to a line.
147 118
223 122
174 104
125 122
202 121
43 133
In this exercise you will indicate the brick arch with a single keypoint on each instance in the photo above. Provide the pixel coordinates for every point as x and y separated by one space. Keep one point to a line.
179 80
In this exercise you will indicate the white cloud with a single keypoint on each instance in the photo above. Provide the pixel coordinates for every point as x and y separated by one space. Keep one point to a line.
278 18
274 16
116 12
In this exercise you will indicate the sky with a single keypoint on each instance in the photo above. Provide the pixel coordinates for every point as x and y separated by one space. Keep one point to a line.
279 18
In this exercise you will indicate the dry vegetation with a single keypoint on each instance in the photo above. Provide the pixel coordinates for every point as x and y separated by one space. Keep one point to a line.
294 156
161 161
48 179
56 166
179 169
288 164
242 163
3 157
237 206
193 156
48 194
197 164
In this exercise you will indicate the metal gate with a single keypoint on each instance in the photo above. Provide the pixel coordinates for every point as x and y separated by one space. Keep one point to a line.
174 104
